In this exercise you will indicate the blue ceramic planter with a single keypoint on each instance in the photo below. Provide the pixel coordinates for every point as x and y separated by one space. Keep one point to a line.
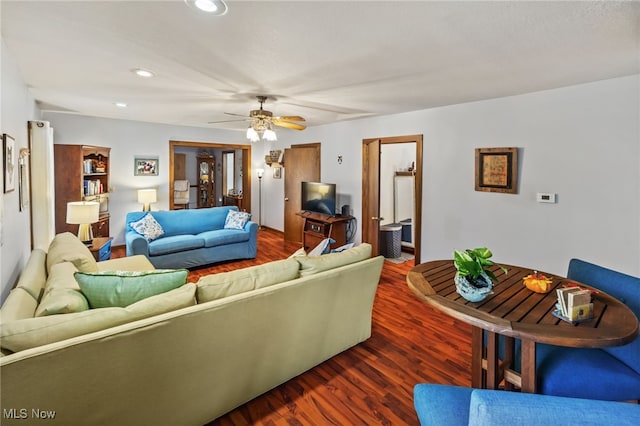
476 291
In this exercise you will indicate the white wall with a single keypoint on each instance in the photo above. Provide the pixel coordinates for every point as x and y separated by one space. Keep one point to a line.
128 139
17 108
581 142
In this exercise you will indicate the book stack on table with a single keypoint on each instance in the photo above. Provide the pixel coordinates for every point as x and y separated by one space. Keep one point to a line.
574 304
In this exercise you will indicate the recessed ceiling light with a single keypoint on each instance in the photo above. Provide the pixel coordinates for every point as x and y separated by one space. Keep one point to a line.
120 104
215 7
143 73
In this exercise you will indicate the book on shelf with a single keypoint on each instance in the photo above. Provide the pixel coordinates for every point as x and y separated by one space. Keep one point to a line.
574 304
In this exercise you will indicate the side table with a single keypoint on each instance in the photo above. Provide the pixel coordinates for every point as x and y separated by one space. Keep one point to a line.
101 248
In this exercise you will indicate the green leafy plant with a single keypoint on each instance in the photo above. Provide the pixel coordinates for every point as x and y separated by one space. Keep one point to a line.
471 263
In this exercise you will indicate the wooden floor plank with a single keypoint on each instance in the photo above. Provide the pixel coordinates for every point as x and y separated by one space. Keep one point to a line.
371 383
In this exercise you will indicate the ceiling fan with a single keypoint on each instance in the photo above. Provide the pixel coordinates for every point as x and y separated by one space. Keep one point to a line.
263 120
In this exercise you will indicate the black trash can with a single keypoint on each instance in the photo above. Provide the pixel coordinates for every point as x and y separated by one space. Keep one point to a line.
390 244
406 230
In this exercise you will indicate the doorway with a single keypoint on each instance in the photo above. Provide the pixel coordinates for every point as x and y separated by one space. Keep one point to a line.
371 171
244 169
303 164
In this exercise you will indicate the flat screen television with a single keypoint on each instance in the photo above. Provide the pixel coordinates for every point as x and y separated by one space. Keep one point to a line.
319 197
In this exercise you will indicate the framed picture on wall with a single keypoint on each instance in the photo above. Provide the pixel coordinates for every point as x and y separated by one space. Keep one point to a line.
497 170
9 163
145 166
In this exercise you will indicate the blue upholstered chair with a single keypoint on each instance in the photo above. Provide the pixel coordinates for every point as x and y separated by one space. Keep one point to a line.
453 405
607 373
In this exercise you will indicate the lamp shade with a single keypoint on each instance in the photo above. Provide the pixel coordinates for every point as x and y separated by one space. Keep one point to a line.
146 196
82 212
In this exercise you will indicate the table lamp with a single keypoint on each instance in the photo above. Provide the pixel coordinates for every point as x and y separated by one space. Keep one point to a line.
83 213
146 197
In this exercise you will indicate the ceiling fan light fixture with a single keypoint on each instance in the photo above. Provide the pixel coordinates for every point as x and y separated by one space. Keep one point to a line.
252 135
269 135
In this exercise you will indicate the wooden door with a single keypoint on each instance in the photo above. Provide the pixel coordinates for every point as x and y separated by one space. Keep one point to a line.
371 193
179 166
302 164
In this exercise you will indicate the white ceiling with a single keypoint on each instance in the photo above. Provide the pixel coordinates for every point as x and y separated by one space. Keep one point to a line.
324 60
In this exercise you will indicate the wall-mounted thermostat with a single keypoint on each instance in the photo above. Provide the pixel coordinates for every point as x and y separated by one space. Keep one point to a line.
545 197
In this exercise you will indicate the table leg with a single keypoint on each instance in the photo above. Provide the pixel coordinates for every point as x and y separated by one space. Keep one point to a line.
478 380
509 349
528 373
492 360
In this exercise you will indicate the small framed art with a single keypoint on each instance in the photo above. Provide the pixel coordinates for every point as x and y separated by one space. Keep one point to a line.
497 170
9 162
145 166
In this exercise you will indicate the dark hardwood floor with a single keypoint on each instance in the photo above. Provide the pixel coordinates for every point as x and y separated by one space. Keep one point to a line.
371 383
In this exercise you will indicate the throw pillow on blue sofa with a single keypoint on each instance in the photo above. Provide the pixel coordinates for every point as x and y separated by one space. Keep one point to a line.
148 227
236 219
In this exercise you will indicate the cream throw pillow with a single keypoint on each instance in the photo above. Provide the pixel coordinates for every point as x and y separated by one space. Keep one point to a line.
61 301
32 332
34 274
18 305
66 247
217 286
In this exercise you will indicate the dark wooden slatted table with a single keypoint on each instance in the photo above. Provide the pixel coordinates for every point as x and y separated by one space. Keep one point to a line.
514 311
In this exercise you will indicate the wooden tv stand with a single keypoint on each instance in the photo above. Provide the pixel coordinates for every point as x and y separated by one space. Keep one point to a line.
318 226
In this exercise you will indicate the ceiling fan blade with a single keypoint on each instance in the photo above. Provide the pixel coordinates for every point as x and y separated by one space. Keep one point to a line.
295 126
237 115
226 121
291 118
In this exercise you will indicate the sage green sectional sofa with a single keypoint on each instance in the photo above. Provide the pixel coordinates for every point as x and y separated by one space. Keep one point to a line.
183 356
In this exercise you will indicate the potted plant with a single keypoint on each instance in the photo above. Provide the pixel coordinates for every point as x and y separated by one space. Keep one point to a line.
473 279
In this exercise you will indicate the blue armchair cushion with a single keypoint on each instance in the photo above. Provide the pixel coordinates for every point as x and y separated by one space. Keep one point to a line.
453 405
585 373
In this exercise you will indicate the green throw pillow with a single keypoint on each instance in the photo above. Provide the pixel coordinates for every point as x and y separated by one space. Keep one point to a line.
122 288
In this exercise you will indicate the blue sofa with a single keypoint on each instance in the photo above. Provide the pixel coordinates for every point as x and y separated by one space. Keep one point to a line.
453 405
192 237
607 373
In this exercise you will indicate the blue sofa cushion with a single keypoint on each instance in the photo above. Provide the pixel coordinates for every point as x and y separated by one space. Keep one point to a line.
175 244
585 373
221 237
623 287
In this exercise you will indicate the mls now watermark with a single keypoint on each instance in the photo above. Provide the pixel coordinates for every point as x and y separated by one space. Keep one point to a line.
25 413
